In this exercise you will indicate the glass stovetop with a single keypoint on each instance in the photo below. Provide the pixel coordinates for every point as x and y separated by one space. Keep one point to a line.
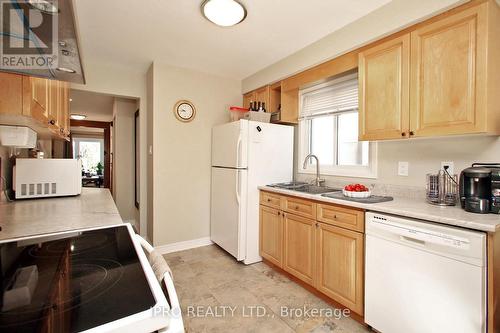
71 284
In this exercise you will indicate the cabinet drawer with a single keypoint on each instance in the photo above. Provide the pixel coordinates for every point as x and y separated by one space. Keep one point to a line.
343 217
300 207
270 199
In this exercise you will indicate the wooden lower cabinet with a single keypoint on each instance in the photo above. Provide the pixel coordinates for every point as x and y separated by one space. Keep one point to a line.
340 257
298 234
271 235
326 253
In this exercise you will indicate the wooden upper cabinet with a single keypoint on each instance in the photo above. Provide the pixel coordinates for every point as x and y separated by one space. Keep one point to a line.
448 75
262 96
54 103
440 78
271 235
38 103
384 90
299 233
340 265
247 98
40 96
11 94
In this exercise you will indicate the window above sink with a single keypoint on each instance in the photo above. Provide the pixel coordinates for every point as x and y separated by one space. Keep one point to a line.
328 128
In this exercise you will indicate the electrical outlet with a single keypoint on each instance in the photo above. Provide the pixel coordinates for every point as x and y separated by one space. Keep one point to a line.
403 168
450 165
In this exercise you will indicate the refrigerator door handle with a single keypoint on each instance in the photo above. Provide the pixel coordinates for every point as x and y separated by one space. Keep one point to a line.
238 151
238 187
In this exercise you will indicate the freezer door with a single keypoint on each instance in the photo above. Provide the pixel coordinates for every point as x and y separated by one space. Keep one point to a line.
228 210
229 145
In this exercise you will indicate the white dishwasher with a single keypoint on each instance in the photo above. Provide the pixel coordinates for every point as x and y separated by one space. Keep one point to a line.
423 277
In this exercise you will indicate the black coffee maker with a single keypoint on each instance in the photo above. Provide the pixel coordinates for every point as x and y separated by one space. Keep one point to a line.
480 188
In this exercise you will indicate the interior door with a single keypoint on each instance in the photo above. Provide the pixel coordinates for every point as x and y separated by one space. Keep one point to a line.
228 210
229 145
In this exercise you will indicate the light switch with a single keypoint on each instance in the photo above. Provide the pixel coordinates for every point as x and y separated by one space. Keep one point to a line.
403 168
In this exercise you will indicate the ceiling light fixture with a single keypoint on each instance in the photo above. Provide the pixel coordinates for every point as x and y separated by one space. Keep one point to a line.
44 6
224 13
77 116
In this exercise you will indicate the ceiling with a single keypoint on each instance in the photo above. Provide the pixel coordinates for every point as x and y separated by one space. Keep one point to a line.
135 33
97 107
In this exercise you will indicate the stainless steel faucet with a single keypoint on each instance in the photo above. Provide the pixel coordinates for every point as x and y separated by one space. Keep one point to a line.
318 181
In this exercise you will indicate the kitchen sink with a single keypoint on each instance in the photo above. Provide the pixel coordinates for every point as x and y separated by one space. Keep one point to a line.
289 185
313 189
305 187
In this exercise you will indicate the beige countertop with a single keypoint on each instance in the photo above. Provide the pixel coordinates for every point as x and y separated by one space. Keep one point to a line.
414 208
93 208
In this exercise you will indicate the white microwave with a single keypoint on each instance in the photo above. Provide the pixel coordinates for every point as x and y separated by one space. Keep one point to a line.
51 177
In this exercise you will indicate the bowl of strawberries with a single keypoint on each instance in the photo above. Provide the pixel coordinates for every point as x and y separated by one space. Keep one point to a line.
356 191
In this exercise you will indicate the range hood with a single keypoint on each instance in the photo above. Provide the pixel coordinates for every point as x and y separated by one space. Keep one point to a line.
65 49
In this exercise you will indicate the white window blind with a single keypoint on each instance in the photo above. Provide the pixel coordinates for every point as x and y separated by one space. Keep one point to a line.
336 96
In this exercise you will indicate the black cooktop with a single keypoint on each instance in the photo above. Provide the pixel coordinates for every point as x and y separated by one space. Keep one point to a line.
70 284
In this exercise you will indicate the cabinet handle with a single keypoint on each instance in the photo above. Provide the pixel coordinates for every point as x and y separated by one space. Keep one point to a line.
297 207
317 224
412 133
334 217
268 200
52 122
403 134
62 130
279 213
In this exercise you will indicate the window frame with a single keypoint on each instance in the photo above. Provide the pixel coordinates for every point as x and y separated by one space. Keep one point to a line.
78 140
304 145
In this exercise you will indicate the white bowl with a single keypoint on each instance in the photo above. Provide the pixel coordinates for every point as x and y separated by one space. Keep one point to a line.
359 195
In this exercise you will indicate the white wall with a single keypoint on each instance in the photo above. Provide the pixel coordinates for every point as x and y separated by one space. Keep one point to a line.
126 82
123 157
387 19
182 151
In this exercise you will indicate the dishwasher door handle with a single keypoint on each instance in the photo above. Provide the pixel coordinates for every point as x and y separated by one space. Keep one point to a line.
412 240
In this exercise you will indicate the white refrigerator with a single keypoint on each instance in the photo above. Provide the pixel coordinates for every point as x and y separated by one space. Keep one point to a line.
245 155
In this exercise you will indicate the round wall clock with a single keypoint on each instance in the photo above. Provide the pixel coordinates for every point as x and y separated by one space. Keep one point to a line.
184 110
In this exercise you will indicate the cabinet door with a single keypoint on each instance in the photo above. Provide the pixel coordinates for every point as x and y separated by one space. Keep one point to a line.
271 235
40 99
448 70
299 247
247 98
11 94
384 90
63 115
53 105
340 265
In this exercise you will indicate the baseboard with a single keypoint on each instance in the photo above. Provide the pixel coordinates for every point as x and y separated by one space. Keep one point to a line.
181 246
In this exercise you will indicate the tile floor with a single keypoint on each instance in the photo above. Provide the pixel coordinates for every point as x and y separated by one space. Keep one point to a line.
218 294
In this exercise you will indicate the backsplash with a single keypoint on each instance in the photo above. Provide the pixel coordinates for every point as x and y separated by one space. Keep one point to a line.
424 156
